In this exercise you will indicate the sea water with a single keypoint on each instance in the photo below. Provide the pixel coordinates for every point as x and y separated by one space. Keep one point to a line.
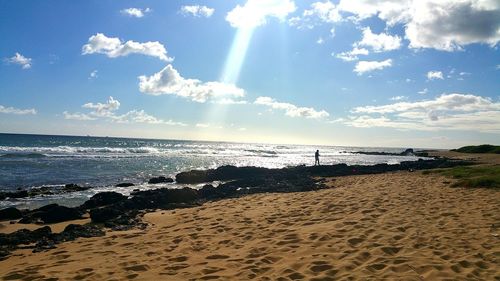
28 161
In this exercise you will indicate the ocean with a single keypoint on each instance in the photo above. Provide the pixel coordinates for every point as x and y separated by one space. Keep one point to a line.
29 161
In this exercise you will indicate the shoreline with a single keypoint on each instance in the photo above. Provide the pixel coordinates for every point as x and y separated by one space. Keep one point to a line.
112 210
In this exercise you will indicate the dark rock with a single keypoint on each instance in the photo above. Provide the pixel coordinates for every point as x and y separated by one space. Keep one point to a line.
17 194
104 214
125 184
103 199
73 231
222 173
71 187
408 152
52 213
10 213
160 179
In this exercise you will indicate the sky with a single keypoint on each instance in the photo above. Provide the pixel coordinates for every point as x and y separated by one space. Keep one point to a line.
403 73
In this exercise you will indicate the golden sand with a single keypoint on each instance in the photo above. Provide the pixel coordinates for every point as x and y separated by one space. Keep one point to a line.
401 226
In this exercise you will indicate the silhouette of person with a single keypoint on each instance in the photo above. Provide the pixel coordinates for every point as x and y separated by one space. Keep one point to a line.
316 157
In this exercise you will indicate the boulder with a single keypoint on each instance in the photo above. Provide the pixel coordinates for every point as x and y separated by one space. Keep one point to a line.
103 199
160 179
52 213
10 213
71 187
104 214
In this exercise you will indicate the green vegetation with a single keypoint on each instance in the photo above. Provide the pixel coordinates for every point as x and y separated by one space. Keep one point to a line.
484 148
472 176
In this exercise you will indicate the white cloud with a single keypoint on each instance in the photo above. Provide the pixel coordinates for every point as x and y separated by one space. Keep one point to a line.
320 12
107 111
19 59
113 47
433 75
367 66
448 25
379 42
77 116
93 75
103 109
135 12
396 98
17 111
320 41
256 12
424 91
197 11
292 110
139 116
353 54
448 111
439 24
457 102
168 81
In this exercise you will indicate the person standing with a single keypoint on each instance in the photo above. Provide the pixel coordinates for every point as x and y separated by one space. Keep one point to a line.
316 157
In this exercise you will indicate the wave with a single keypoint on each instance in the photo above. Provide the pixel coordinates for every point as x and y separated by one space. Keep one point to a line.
23 155
261 151
13 151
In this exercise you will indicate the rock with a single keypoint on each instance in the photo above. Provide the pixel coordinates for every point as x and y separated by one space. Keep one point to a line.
408 152
160 179
52 213
104 214
103 199
17 194
73 231
10 213
125 184
71 187
222 173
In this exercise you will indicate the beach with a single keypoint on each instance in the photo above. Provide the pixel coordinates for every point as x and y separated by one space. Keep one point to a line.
399 225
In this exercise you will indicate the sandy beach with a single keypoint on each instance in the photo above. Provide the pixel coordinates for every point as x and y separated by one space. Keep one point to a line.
401 226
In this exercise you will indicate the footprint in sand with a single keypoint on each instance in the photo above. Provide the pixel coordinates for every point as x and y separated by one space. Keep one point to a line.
355 241
217 257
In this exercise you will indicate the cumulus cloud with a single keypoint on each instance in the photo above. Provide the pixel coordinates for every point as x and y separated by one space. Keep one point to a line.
17 111
135 12
367 66
107 111
447 25
197 11
353 54
19 59
169 82
320 12
256 12
292 110
114 47
379 42
433 75
103 109
448 111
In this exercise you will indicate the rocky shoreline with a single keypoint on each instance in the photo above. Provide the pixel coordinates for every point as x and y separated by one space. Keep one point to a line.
115 211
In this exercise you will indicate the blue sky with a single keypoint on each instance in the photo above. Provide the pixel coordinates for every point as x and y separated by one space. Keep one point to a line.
366 72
